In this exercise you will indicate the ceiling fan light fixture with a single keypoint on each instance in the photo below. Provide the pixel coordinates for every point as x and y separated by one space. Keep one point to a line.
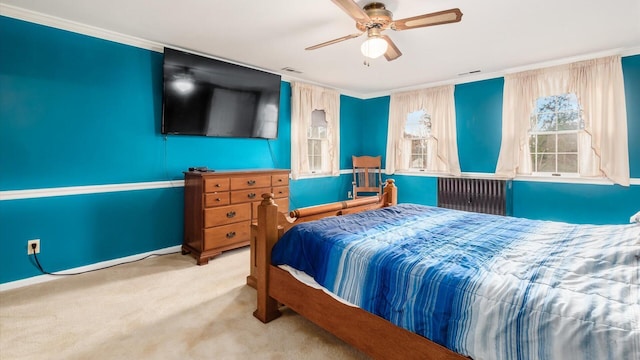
374 18
374 47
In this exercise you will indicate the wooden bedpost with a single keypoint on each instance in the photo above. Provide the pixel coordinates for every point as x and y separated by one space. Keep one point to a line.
390 193
267 307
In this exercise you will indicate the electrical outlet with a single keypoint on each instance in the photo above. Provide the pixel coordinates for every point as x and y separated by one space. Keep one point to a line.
30 250
349 195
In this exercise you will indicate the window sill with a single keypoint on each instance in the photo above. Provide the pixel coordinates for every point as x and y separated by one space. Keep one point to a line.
422 173
531 178
478 175
314 176
564 179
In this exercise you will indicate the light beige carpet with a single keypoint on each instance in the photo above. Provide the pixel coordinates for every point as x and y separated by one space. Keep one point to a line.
159 308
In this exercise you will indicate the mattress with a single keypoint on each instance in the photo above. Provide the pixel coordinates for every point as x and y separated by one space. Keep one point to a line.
485 286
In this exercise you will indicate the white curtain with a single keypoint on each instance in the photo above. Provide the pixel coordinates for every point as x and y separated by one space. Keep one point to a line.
305 99
599 87
439 103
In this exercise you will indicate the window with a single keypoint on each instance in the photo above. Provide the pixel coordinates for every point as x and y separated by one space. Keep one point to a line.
421 140
317 142
417 132
561 136
553 139
315 131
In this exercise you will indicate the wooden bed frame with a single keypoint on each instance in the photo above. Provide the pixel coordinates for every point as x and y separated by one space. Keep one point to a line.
369 333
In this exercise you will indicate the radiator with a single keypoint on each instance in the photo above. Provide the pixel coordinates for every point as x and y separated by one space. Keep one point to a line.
478 195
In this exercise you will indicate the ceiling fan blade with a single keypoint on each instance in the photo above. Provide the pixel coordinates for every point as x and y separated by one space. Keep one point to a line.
436 18
392 50
334 41
352 9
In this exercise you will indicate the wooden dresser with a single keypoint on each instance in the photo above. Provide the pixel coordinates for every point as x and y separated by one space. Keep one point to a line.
219 208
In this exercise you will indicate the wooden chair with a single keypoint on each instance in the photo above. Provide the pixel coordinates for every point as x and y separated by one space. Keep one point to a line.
367 175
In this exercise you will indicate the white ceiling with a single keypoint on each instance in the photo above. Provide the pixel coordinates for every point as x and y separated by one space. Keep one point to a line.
494 36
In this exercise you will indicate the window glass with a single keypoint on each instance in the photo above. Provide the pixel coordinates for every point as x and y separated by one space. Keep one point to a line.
567 163
567 143
553 140
317 139
418 125
418 154
418 131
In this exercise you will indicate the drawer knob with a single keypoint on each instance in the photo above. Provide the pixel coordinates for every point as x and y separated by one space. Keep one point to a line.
251 182
217 185
279 180
231 234
231 214
218 199
251 195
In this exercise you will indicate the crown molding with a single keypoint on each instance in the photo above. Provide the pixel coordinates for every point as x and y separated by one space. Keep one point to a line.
629 51
80 28
100 33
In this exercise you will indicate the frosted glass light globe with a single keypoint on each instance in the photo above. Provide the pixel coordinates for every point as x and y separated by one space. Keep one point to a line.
374 47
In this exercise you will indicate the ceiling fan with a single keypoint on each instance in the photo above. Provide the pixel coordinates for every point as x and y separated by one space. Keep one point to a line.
374 18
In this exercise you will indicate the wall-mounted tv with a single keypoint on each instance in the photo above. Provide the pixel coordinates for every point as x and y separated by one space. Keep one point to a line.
209 97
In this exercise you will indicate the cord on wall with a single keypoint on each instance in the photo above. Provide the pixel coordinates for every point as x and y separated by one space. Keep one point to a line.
165 140
39 266
273 157
275 165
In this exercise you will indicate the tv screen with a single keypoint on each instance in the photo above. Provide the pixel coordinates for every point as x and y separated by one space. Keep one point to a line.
209 97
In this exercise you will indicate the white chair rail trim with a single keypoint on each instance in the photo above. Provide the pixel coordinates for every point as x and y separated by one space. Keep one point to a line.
96 189
88 189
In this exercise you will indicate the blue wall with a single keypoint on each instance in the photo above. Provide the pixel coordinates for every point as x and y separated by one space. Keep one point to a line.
593 204
351 132
597 204
76 110
83 111
83 229
479 130
373 127
631 73
478 124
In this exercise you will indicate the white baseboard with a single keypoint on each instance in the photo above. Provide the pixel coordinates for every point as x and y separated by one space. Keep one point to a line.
44 278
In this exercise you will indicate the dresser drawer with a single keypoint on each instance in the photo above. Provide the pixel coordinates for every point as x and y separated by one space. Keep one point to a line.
280 191
216 199
280 180
225 235
215 184
223 215
239 196
250 182
283 206
220 206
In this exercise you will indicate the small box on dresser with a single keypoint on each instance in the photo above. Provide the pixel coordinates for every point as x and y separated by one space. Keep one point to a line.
219 208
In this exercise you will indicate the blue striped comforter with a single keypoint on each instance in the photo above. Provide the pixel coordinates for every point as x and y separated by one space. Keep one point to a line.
485 286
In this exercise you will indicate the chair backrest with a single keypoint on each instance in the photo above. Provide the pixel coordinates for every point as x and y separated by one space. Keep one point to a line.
367 175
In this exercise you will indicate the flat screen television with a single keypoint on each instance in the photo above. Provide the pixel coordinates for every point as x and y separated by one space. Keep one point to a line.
208 97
